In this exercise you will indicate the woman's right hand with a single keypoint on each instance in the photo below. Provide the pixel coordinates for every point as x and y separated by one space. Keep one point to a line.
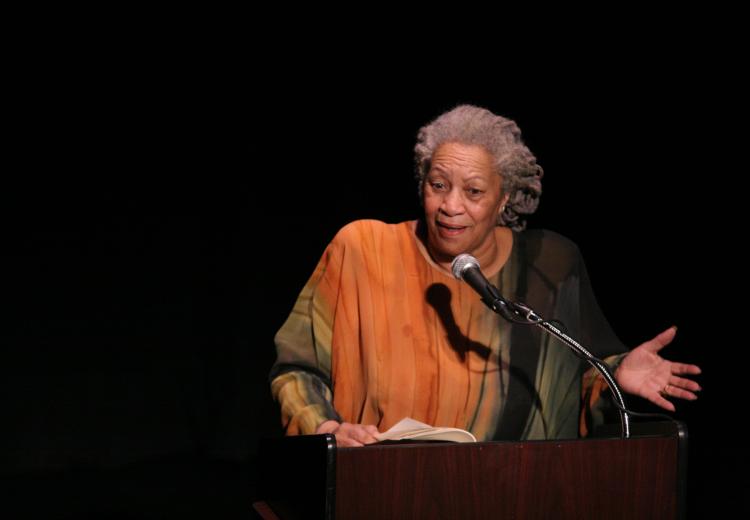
349 435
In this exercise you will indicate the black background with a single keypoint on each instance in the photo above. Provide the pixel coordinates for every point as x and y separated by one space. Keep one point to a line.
160 218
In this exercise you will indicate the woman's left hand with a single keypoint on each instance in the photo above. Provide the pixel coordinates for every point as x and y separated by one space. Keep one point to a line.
645 373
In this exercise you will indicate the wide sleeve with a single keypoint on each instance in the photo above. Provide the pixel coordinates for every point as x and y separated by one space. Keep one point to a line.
301 376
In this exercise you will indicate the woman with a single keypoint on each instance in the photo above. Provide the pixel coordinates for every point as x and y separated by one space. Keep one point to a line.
383 331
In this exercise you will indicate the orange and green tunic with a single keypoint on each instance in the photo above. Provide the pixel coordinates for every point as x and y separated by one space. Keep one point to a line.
380 332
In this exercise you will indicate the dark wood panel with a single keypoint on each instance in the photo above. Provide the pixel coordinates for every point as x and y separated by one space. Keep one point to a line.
569 479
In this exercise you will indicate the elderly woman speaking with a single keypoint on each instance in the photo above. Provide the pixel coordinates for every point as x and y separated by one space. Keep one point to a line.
382 330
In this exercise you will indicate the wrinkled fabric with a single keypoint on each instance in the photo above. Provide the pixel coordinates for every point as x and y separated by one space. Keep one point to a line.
380 332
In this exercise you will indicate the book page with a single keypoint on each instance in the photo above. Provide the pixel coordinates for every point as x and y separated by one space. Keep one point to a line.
409 428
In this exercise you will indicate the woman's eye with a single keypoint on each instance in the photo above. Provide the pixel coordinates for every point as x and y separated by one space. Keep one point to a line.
474 191
437 185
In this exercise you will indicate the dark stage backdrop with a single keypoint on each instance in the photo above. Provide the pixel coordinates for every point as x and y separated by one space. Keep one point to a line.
145 280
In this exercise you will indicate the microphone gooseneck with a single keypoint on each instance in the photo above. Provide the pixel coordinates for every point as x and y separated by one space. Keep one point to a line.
465 267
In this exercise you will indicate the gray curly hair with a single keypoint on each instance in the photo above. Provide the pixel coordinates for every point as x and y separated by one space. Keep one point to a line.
501 137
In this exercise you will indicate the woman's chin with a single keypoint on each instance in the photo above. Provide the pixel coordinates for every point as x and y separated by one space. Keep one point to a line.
447 252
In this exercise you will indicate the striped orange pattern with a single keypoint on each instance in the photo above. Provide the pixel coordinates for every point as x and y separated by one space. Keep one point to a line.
399 337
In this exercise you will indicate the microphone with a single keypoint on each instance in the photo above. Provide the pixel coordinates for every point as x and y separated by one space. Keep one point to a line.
465 267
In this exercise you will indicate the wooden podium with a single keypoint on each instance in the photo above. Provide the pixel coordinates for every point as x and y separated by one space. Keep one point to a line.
641 477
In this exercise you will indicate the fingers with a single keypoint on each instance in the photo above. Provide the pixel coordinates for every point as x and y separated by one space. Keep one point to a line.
678 393
684 384
343 439
346 442
353 435
662 339
681 388
659 400
677 388
327 426
372 430
684 368
364 433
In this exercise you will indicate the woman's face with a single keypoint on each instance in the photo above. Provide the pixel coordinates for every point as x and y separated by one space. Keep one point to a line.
462 197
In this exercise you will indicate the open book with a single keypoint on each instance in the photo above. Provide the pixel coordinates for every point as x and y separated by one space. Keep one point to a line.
408 428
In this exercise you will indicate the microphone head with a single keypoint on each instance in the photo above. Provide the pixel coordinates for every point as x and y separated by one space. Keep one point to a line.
461 263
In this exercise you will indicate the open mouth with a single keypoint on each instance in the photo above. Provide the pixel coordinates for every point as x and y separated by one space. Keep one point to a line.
450 230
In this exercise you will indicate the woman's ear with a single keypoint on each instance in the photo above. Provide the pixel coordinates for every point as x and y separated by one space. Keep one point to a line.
504 202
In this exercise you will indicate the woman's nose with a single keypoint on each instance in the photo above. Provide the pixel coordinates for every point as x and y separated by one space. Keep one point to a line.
452 203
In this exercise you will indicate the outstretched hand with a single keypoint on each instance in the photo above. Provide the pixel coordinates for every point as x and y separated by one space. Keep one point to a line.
348 434
645 373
